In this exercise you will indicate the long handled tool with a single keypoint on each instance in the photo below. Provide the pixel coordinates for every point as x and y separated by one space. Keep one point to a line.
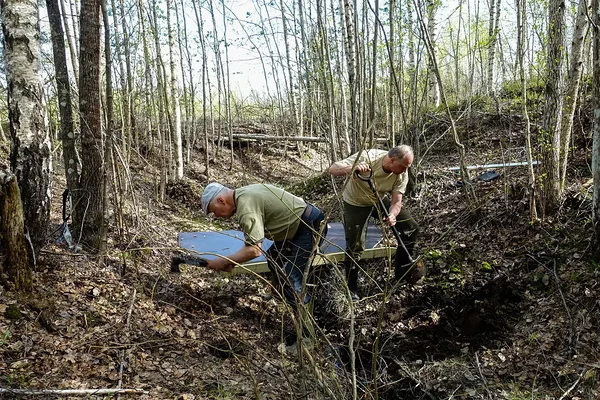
385 212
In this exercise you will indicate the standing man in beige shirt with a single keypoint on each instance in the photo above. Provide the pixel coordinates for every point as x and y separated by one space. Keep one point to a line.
390 175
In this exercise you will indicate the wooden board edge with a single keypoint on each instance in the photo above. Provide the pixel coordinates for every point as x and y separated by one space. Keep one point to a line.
320 259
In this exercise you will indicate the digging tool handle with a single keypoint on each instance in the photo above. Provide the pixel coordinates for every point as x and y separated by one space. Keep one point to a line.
384 210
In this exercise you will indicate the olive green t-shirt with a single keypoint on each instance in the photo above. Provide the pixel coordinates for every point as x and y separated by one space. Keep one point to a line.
358 193
266 211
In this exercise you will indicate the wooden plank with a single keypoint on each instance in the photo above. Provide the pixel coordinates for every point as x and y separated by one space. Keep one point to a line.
320 259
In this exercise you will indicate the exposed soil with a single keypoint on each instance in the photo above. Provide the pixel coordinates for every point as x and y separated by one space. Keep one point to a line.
508 310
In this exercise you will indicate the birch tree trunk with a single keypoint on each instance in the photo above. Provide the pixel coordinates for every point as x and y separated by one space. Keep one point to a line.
205 83
70 40
175 107
352 70
373 91
434 84
572 89
493 33
30 155
552 118
390 100
227 88
163 107
65 107
288 58
88 217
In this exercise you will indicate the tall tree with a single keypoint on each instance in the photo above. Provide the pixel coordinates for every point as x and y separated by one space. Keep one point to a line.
70 38
175 106
572 89
65 107
493 33
30 155
351 36
434 81
552 118
88 217
521 24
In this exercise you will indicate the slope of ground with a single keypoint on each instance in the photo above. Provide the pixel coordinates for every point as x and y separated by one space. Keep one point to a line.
509 309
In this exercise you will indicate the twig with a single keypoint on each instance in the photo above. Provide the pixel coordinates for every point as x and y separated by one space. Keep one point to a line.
564 396
71 392
122 352
482 376
414 379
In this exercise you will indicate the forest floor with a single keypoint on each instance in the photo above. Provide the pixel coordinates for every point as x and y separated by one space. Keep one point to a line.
508 310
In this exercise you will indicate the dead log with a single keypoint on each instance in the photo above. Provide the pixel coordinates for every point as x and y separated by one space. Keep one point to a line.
13 245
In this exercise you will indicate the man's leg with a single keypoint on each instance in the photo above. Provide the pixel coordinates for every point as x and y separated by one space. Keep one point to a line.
355 231
409 231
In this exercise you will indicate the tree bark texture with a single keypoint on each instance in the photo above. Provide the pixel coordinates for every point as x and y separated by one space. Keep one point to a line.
521 24
13 246
572 89
65 107
31 148
552 118
89 199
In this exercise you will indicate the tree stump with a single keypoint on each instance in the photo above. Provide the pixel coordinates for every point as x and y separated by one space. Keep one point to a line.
16 263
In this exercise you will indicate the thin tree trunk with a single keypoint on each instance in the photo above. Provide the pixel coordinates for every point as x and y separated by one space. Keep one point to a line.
130 121
109 142
572 90
205 83
390 99
124 128
163 108
70 39
493 39
373 97
521 30
349 19
188 96
291 92
464 173
595 15
434 82
65 107
175 106
552 118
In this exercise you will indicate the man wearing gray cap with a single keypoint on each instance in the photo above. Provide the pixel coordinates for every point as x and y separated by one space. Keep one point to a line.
266 211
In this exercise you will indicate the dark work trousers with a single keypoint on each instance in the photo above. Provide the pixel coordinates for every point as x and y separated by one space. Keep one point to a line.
355 230
288 259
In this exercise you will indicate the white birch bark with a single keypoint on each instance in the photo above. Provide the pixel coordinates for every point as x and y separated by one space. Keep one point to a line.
31 157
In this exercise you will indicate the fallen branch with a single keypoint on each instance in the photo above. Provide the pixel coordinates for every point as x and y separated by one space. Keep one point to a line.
71 392
122 352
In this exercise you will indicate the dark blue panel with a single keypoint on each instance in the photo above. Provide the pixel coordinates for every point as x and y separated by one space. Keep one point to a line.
225 243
